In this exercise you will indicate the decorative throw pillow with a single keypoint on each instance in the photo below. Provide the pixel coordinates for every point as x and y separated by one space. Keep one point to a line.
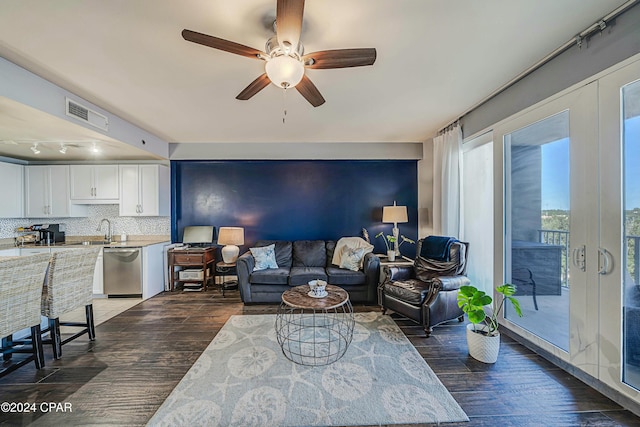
351 258
265 257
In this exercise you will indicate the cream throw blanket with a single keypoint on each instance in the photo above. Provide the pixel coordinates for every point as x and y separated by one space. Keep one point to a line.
352 243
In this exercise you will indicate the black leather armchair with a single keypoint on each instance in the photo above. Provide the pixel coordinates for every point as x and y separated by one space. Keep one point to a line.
427 292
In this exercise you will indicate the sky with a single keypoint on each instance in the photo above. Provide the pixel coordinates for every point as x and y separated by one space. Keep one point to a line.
555 175
555 169
631 157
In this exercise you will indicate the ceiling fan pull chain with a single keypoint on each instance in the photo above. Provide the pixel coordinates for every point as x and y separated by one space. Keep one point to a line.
284 105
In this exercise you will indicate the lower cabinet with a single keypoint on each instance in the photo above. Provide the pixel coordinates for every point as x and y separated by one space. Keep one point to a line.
152 270
98 281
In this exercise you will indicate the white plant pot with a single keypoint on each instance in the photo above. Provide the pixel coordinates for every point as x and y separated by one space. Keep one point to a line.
482 347
391 255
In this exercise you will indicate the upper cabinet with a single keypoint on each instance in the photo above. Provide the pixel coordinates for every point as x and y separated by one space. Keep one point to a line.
145 190
47 193
11 190
94 184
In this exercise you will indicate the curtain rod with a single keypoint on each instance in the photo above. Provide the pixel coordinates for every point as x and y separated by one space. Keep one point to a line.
600 25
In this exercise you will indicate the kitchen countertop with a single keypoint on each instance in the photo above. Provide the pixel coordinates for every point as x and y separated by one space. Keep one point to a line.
73 243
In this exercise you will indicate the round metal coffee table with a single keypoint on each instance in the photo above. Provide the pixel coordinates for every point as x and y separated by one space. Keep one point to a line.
314 331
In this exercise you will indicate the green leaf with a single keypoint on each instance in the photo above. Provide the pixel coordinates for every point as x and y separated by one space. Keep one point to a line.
467 291
476 316
516 305
507 289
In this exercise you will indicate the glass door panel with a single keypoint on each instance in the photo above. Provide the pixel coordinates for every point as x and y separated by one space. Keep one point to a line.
619 261
537 207
631 246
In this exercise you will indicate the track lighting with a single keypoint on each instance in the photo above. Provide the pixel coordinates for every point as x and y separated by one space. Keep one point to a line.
34 148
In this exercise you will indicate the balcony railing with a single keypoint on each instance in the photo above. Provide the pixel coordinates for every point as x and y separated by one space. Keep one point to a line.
561 238
558 238
633 257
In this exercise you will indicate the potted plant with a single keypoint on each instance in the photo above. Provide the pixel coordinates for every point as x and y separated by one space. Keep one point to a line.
483 337
391 254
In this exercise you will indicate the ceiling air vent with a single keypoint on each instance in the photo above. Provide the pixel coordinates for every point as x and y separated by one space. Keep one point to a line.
86 115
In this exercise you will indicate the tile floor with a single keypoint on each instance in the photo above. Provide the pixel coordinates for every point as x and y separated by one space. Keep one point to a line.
103 310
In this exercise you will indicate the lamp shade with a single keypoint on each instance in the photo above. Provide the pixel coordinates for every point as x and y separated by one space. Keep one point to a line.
231 236
394 214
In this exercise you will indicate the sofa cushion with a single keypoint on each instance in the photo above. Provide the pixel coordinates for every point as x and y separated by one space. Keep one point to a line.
283 251
341 276
330 246
309 253
302 275
264 257
276 276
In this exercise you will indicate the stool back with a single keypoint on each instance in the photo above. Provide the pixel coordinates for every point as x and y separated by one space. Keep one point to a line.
69 282
21 281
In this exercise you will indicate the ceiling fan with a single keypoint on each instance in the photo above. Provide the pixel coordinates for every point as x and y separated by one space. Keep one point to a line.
284 56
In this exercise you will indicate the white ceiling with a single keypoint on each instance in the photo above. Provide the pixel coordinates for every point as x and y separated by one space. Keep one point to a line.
436 58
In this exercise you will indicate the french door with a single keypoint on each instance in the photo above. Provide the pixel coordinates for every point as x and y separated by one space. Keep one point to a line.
619 308
546 171
567 180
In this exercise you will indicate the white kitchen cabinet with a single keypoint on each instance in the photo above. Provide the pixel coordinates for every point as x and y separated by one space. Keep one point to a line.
94 184
145 190
47 193
98 280
11 190
152 270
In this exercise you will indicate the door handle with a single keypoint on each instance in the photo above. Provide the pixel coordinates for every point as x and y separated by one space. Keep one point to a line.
605 262
578 257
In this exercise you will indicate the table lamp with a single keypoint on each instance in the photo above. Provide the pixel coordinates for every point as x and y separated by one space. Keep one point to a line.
231 237
395 214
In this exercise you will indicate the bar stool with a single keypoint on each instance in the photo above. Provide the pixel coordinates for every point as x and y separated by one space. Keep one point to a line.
21 280
69 285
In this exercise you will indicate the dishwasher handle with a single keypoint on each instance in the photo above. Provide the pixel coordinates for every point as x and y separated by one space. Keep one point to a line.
121 251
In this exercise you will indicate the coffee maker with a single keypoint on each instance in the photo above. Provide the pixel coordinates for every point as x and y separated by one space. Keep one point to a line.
50 233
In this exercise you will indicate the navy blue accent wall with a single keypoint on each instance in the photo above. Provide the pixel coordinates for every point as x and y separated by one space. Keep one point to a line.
294 199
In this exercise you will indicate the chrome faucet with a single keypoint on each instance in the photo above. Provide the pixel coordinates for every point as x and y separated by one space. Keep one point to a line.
107 236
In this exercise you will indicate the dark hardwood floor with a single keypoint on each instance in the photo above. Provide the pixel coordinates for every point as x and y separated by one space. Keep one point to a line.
140 355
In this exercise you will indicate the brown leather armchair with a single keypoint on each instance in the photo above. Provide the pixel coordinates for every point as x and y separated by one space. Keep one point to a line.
427 292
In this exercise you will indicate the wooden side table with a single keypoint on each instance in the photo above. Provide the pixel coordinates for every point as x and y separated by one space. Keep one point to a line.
202 258
223 270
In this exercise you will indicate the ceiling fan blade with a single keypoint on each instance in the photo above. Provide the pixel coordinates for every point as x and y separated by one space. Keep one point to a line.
340 58
289 21
222 44
254 87
310 92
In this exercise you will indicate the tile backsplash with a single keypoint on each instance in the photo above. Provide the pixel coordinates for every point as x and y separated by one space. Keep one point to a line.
87 226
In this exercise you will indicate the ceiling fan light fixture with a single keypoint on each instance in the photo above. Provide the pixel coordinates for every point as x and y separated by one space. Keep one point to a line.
284 71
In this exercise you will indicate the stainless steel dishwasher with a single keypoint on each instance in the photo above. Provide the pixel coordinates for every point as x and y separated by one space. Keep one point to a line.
122 271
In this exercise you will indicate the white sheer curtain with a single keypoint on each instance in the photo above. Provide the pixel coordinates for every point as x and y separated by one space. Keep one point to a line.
447 159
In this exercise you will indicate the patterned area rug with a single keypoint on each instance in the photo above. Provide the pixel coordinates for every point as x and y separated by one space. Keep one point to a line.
243 379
